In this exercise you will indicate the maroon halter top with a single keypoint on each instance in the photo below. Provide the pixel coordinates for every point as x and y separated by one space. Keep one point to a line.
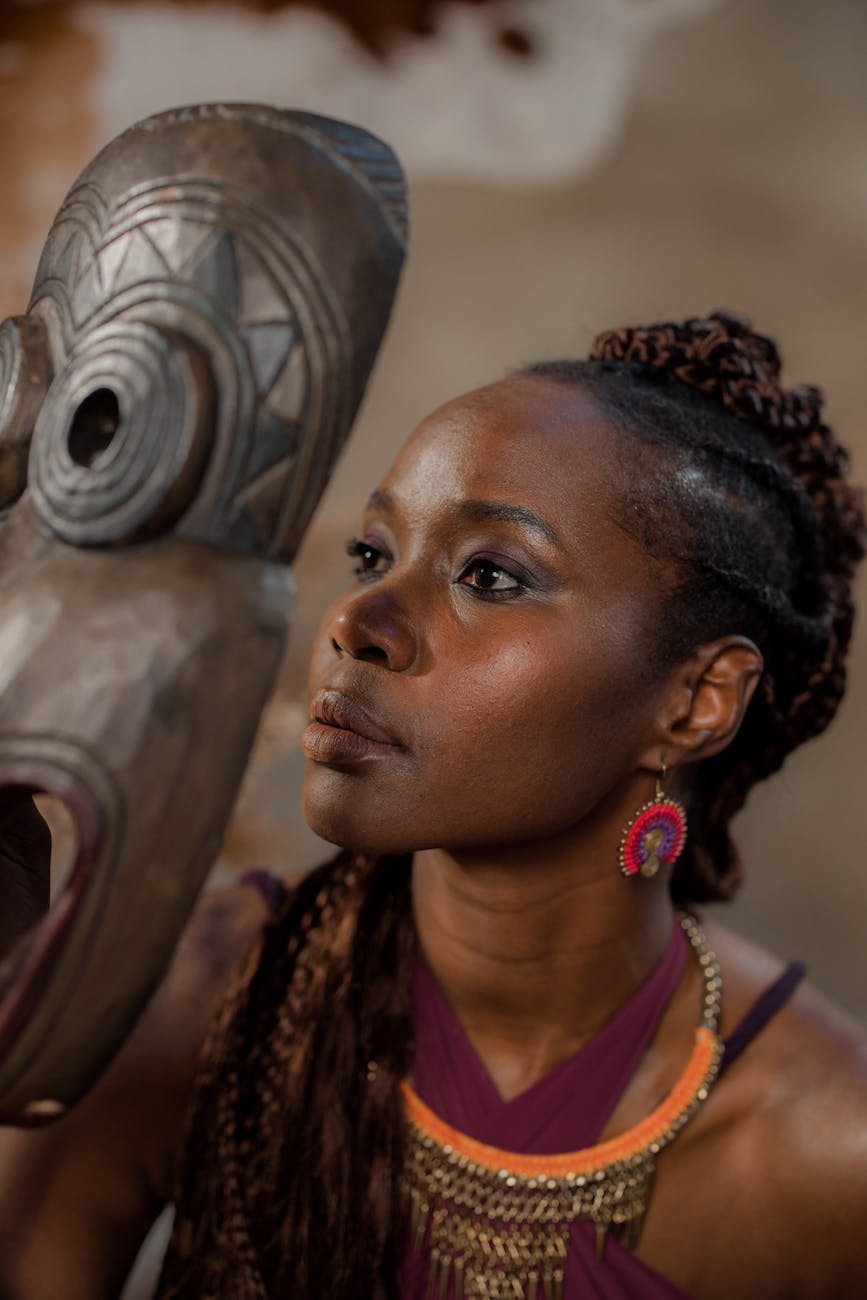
566 1110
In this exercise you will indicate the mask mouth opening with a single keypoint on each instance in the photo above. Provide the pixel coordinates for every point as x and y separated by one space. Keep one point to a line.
50 835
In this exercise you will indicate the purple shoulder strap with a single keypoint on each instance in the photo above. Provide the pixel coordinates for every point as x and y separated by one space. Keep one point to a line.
763 1009
271 887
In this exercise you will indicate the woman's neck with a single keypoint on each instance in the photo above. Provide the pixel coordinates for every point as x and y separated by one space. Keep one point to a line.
533 954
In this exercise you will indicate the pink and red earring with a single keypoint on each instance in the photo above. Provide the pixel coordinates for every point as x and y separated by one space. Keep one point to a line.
656 834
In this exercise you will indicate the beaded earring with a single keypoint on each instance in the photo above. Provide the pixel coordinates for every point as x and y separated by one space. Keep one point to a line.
656 834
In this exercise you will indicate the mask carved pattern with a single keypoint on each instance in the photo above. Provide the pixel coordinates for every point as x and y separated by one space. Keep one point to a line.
203 322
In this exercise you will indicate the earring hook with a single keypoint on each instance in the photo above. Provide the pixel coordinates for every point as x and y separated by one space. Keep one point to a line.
660 779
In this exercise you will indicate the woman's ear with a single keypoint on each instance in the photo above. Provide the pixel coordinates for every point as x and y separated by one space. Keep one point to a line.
707 699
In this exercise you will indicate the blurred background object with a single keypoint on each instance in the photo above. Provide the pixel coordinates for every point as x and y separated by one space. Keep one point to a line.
574 164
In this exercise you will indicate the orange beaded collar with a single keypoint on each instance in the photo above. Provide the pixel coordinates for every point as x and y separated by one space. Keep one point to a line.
498 1221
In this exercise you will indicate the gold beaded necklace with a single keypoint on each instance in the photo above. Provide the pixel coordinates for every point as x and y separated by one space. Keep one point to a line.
498 1221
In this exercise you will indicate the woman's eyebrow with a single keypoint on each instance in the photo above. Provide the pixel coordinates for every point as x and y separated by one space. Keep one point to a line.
381 500
481 512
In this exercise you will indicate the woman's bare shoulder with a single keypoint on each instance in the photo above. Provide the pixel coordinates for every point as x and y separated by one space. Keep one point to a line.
155 1072
77 1197
221 934
799 1092
807 1018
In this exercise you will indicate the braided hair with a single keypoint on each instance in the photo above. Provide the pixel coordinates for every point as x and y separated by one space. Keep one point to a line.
295 1142
740 484
295 1139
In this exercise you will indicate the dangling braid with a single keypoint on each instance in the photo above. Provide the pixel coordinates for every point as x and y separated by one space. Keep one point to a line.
769 549
295 1140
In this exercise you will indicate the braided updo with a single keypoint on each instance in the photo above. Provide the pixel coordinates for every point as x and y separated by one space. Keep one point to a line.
740 484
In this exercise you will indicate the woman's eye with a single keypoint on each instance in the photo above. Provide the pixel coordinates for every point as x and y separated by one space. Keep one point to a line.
370 558
485 575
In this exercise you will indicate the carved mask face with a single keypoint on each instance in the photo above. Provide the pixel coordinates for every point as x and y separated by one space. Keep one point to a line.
205 315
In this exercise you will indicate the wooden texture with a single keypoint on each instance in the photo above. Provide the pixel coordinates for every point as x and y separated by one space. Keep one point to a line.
204 318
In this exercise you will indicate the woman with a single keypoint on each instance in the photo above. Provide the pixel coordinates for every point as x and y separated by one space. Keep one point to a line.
591 601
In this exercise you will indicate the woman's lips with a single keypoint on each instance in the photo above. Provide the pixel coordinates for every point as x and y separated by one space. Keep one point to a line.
341 731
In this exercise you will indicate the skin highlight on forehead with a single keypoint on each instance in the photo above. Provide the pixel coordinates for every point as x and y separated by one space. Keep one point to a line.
528 444
482 512
506 441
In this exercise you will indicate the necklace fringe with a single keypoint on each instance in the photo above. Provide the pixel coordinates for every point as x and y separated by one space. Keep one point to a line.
497 1222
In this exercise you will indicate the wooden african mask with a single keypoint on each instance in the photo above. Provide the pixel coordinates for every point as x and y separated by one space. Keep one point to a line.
203 322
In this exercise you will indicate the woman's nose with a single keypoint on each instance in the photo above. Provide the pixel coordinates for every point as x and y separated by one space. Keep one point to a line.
373 627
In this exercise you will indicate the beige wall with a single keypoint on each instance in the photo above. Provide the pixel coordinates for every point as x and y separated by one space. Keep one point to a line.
738 181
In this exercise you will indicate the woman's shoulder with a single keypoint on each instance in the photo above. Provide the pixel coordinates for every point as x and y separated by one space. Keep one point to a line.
799 1095
222 934
800 1027
807 1058
223 929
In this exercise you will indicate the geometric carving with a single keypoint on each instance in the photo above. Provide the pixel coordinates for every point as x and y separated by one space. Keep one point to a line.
65 264
179 242
277 440
142 262
215 269
289 391
262 497
268 344
111 258
261 297
88 284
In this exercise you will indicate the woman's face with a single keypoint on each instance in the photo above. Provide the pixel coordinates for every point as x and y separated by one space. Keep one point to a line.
484 679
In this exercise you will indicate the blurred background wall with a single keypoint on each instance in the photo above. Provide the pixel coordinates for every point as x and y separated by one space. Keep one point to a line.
574 164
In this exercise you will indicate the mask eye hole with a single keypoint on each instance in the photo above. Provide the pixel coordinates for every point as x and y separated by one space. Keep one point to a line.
124 435
93 427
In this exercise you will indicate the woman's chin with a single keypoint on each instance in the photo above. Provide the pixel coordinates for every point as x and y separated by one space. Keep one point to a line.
332 817
356 841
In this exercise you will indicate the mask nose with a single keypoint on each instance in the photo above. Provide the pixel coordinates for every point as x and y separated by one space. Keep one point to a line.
373 627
